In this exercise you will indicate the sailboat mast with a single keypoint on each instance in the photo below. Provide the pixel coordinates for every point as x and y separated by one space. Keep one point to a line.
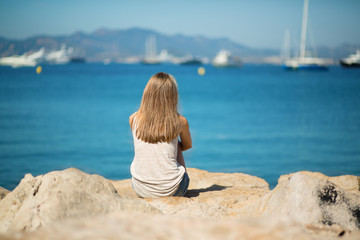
304 29
286 46
150 46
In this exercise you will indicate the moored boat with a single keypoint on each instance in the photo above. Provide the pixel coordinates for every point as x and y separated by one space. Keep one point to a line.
225 59
305 62
60 56
25 60
150 51
352 61
192 61
77 60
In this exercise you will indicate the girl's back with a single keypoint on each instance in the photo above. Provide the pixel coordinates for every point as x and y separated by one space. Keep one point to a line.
158 168
155 170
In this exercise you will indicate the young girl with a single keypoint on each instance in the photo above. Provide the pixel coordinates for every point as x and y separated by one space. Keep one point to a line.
158 168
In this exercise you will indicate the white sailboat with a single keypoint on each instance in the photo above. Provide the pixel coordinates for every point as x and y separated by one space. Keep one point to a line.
305 62
150 51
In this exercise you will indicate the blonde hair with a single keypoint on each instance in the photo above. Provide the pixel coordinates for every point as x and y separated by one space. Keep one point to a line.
157 119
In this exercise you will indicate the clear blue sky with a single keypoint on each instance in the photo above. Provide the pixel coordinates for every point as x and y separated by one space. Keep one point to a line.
254 23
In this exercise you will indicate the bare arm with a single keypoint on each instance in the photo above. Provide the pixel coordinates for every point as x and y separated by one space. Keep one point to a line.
180 157
185 137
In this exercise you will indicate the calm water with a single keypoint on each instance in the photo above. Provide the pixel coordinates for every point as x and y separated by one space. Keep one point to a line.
259 120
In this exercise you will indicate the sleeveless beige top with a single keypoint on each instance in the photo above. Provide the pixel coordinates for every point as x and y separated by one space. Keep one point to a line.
155 170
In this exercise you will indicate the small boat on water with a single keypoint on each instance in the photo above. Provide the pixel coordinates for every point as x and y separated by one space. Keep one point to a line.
352 61
77 60
192 61
225 59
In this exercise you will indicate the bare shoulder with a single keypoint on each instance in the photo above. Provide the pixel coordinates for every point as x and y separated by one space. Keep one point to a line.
131 119
132 115
184 121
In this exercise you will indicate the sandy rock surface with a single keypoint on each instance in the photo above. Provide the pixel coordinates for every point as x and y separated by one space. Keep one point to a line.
58 195
71 204
145 226
348 183
218 195
310 199
3 192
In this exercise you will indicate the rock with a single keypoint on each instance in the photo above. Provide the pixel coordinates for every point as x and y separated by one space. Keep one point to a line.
216 195
310 198
71 204
346 182
146 226
58 195
3 192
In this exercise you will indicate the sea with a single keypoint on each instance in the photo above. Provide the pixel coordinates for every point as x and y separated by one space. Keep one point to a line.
259 119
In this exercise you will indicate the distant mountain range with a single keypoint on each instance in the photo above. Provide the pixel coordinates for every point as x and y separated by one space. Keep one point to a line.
119 45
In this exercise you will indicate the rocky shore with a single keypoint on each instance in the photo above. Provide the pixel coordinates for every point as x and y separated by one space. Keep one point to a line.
71 204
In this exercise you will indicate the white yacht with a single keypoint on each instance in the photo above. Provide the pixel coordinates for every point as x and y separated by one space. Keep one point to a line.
225 59
61 56
352 60
25 60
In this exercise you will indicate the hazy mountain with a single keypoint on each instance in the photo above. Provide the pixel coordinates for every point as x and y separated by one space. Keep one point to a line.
118 45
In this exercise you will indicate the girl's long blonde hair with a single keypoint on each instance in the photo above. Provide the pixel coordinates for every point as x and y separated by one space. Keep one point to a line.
157 119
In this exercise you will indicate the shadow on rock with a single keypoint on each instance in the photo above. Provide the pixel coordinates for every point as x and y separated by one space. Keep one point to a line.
196 192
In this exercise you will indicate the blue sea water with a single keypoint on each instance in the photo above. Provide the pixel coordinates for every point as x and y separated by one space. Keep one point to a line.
259 120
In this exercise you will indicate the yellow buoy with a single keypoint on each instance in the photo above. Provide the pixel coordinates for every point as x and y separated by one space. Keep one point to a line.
38 69
201 71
